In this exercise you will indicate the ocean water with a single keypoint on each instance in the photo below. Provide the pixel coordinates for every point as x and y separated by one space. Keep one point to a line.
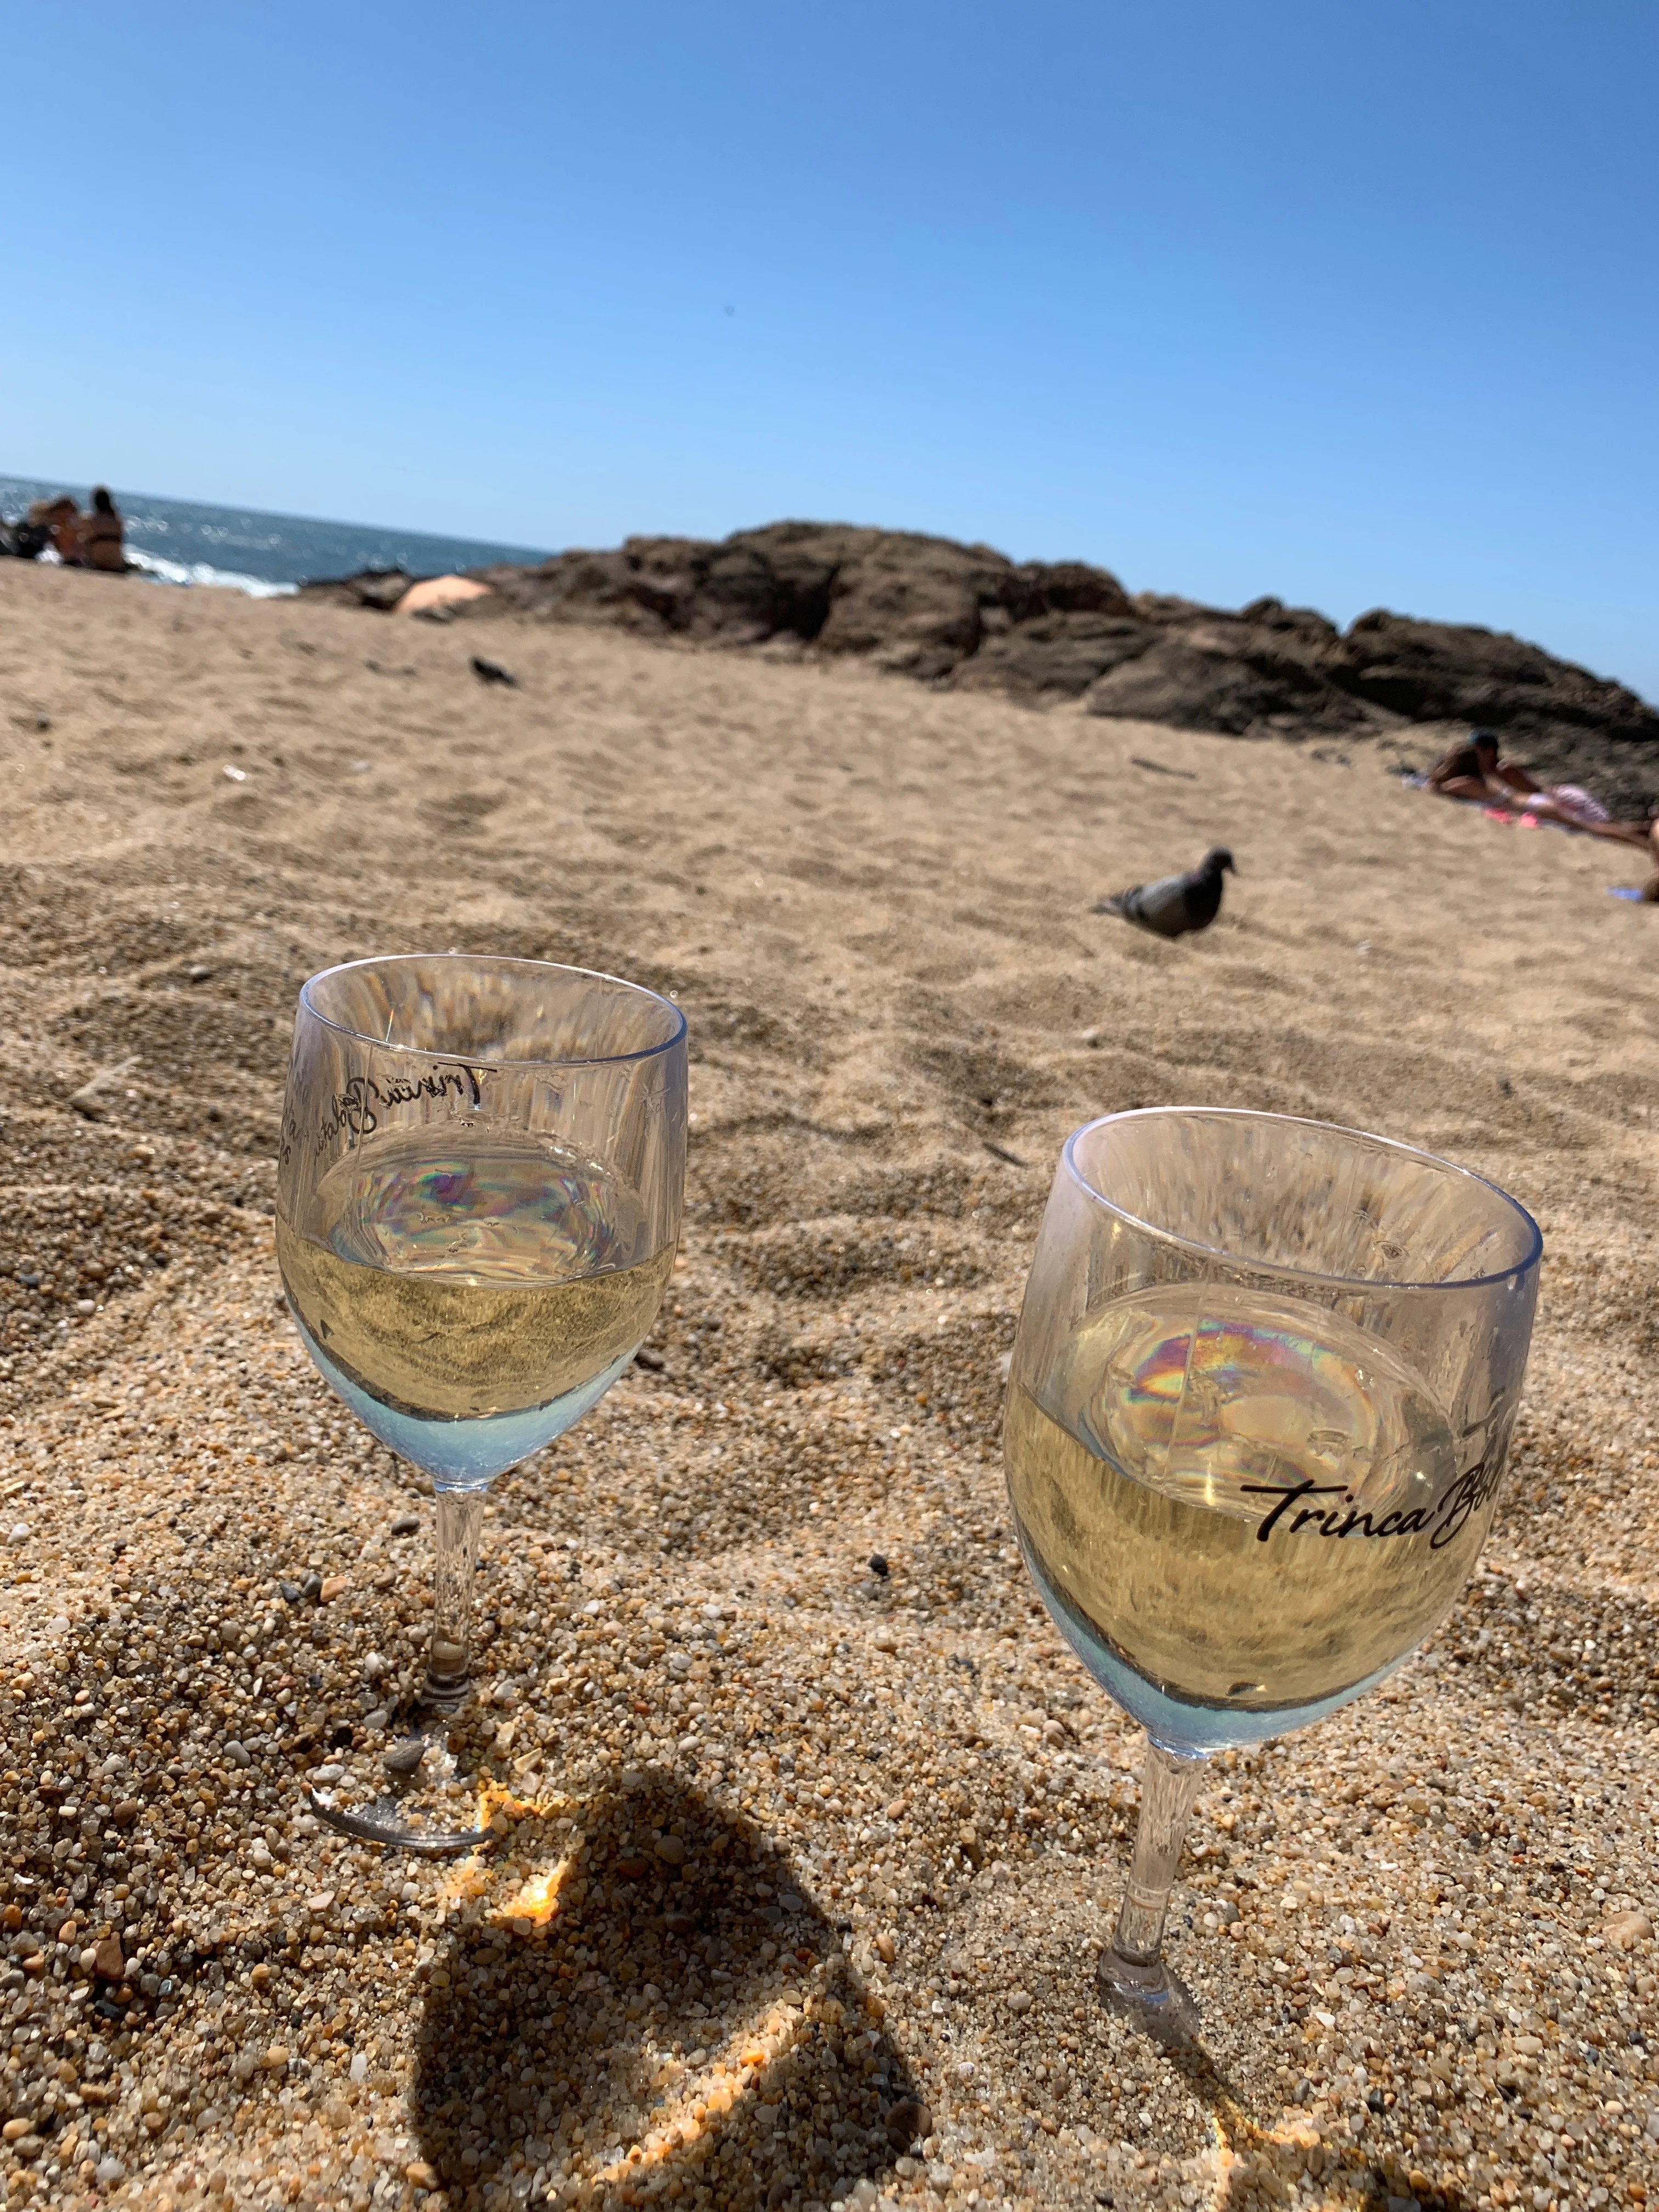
178 542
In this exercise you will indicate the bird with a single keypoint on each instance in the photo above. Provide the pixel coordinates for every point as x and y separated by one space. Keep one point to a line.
1174 904
491 672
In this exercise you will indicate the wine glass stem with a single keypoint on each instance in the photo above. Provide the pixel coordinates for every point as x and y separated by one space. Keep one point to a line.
1168 1784
460 1517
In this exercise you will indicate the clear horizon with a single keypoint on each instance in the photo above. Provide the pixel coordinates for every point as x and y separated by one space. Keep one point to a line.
1353 313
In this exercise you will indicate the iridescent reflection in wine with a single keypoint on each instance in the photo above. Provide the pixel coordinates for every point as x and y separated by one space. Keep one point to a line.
1242 1510
470 1306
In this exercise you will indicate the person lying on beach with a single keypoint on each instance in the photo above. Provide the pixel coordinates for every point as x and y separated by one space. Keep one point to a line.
100 535
1475 770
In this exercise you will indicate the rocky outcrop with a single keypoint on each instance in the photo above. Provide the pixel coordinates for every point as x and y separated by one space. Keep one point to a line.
1453 672
967 617
923 606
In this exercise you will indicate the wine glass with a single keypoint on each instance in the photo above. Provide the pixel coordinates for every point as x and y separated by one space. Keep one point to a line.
478 1201
1258 1409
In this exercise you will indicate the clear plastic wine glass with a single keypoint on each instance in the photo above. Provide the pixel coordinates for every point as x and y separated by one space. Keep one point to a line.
478 1203
1257 1410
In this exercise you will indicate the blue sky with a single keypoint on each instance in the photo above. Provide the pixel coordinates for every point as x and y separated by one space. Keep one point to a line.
1354 304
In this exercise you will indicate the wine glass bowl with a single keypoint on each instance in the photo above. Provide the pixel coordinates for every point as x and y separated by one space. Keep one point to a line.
478 1202
1258 1409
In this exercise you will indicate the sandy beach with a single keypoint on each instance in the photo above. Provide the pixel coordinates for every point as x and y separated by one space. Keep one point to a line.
802 1863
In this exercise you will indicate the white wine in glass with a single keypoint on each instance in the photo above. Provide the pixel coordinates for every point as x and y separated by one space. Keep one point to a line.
467 1304
478 1204
1256 1422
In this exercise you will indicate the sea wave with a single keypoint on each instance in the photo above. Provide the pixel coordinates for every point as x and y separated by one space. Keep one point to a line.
161 570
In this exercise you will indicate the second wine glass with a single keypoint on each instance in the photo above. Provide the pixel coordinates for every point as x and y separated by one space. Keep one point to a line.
1257 1410
478 1204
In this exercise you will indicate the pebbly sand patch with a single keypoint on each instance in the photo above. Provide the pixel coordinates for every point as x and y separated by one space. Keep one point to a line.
808 1826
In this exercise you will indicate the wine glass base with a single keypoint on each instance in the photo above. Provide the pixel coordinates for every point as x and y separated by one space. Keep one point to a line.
404 1807
384 1824
1149 1997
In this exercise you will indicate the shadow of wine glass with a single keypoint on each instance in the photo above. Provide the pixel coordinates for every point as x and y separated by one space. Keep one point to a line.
637 2004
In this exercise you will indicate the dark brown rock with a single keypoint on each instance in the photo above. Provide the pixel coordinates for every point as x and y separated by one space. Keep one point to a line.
912 605
1305 623
1431 671
909 2121
1230 676
1059 654
1068 587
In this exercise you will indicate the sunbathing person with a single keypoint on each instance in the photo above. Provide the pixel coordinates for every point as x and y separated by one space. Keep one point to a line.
1475 770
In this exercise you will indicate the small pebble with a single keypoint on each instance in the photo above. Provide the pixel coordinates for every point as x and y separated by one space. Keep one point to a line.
1625 1931
908 2121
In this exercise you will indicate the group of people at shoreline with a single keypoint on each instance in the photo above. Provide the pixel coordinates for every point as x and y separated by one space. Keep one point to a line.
1476 770
92 540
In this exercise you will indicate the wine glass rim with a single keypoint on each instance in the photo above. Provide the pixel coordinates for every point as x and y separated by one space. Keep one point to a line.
1529 1260
676 1031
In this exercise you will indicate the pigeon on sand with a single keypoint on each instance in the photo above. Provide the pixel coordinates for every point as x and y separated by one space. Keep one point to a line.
1175 904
